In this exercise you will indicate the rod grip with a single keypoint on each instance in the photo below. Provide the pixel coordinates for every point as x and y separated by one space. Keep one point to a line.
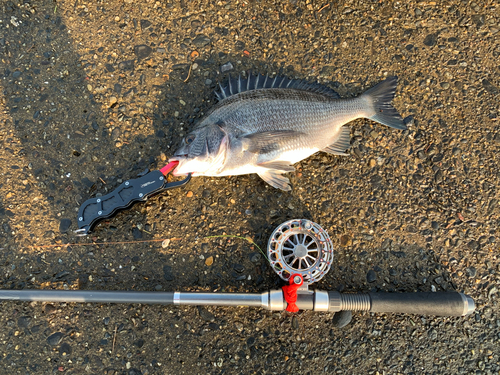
423 303
426 303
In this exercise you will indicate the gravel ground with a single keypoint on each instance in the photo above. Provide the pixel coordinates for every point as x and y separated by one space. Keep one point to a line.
95 92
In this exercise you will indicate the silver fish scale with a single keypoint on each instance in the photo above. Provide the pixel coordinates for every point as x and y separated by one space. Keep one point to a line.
317 116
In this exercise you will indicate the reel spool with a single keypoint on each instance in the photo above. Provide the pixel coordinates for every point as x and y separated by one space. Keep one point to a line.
302 247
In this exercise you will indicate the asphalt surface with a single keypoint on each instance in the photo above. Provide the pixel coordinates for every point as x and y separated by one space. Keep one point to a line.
94 92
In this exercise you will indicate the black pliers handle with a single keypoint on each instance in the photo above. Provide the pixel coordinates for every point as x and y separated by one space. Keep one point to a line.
124 196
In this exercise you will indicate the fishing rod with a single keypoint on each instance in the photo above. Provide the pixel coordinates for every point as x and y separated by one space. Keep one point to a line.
301 253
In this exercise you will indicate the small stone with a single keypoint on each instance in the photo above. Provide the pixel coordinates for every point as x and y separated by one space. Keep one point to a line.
255 257
345 240
149 104
16 74
238 267
118 144
239 326
115 134
201 40
65 349
205 314
55 338
126 65
189 194
23 321
49 309
64 225
208 82
445 85
165 243
142 51
167 273
430 40
488 86
158 287
112 100
209 261
136 233
182 102
226 67
371 276
372 163
471 271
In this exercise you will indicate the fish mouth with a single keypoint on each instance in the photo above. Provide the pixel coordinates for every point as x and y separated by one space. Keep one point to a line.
180 159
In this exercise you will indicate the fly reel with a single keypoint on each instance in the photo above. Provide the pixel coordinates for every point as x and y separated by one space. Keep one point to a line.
302 247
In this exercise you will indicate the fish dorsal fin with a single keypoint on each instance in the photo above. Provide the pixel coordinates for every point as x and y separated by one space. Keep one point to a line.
259 81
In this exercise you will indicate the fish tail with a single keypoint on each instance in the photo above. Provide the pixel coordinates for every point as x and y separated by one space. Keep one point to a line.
381 96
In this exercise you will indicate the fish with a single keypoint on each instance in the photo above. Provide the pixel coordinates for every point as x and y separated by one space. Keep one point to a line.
266 125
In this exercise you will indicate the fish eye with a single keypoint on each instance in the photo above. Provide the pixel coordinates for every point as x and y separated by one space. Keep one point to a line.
189 139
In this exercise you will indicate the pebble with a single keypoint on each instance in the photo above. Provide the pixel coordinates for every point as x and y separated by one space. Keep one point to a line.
205 314
238 267
64 225
165 243
345 240
65 349
142 51
471 271
226 67
189 194
55 338
209 261
239 326
126 65
201 40
371 276
255 257
167 273
23 321
112 100
115 134
49 309
430 40
137 233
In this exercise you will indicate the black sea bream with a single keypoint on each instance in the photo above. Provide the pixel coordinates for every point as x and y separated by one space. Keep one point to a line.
264 126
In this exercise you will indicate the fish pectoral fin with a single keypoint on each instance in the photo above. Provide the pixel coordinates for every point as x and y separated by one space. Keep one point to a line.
341 144
264 142
278 166
276 179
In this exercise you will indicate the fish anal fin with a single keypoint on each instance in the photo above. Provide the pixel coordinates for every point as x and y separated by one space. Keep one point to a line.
276 179
341 143
264 142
